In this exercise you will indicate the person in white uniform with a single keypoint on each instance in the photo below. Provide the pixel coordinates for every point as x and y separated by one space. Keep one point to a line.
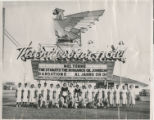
32 95
132 96
19 95
117 95
77 97
51 95
100 97
25 95
106 100
39 96
90 96
83 94
94 94
45 95
56 96
124 96
111 96
71 95
64 96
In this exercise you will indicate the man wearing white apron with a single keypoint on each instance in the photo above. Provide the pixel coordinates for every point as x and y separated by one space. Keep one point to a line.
25 95
32 97
19 95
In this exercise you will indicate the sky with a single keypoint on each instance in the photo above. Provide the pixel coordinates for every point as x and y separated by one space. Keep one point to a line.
128 21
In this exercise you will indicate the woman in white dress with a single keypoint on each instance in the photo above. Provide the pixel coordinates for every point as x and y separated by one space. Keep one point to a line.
25 95
124 96
100 97
39 96
56 96
132 96
19 95
111 96
45 95
51 95
117 95
32 98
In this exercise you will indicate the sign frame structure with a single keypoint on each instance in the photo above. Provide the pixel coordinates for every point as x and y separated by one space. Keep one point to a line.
109 73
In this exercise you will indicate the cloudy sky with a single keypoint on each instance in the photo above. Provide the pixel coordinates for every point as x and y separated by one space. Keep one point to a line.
130 22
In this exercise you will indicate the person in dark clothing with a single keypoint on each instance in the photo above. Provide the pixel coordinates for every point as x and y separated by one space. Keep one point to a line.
78 97
64 95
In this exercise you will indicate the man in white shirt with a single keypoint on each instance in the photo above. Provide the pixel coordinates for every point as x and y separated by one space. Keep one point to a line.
19 95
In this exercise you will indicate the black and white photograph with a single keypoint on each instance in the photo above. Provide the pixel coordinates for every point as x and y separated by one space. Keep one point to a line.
77 59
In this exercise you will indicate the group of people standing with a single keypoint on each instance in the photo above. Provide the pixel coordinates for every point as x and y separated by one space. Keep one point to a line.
70 96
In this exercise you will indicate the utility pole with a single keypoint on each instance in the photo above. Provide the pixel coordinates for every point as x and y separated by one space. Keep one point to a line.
3 42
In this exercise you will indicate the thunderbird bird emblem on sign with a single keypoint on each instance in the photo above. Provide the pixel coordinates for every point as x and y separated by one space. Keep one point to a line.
68 28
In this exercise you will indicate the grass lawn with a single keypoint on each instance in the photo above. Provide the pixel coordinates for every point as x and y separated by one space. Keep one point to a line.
141 111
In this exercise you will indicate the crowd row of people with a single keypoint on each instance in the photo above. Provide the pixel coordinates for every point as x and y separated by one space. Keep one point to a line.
74 96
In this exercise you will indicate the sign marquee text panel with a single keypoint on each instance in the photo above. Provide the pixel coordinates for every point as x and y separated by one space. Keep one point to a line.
72 71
